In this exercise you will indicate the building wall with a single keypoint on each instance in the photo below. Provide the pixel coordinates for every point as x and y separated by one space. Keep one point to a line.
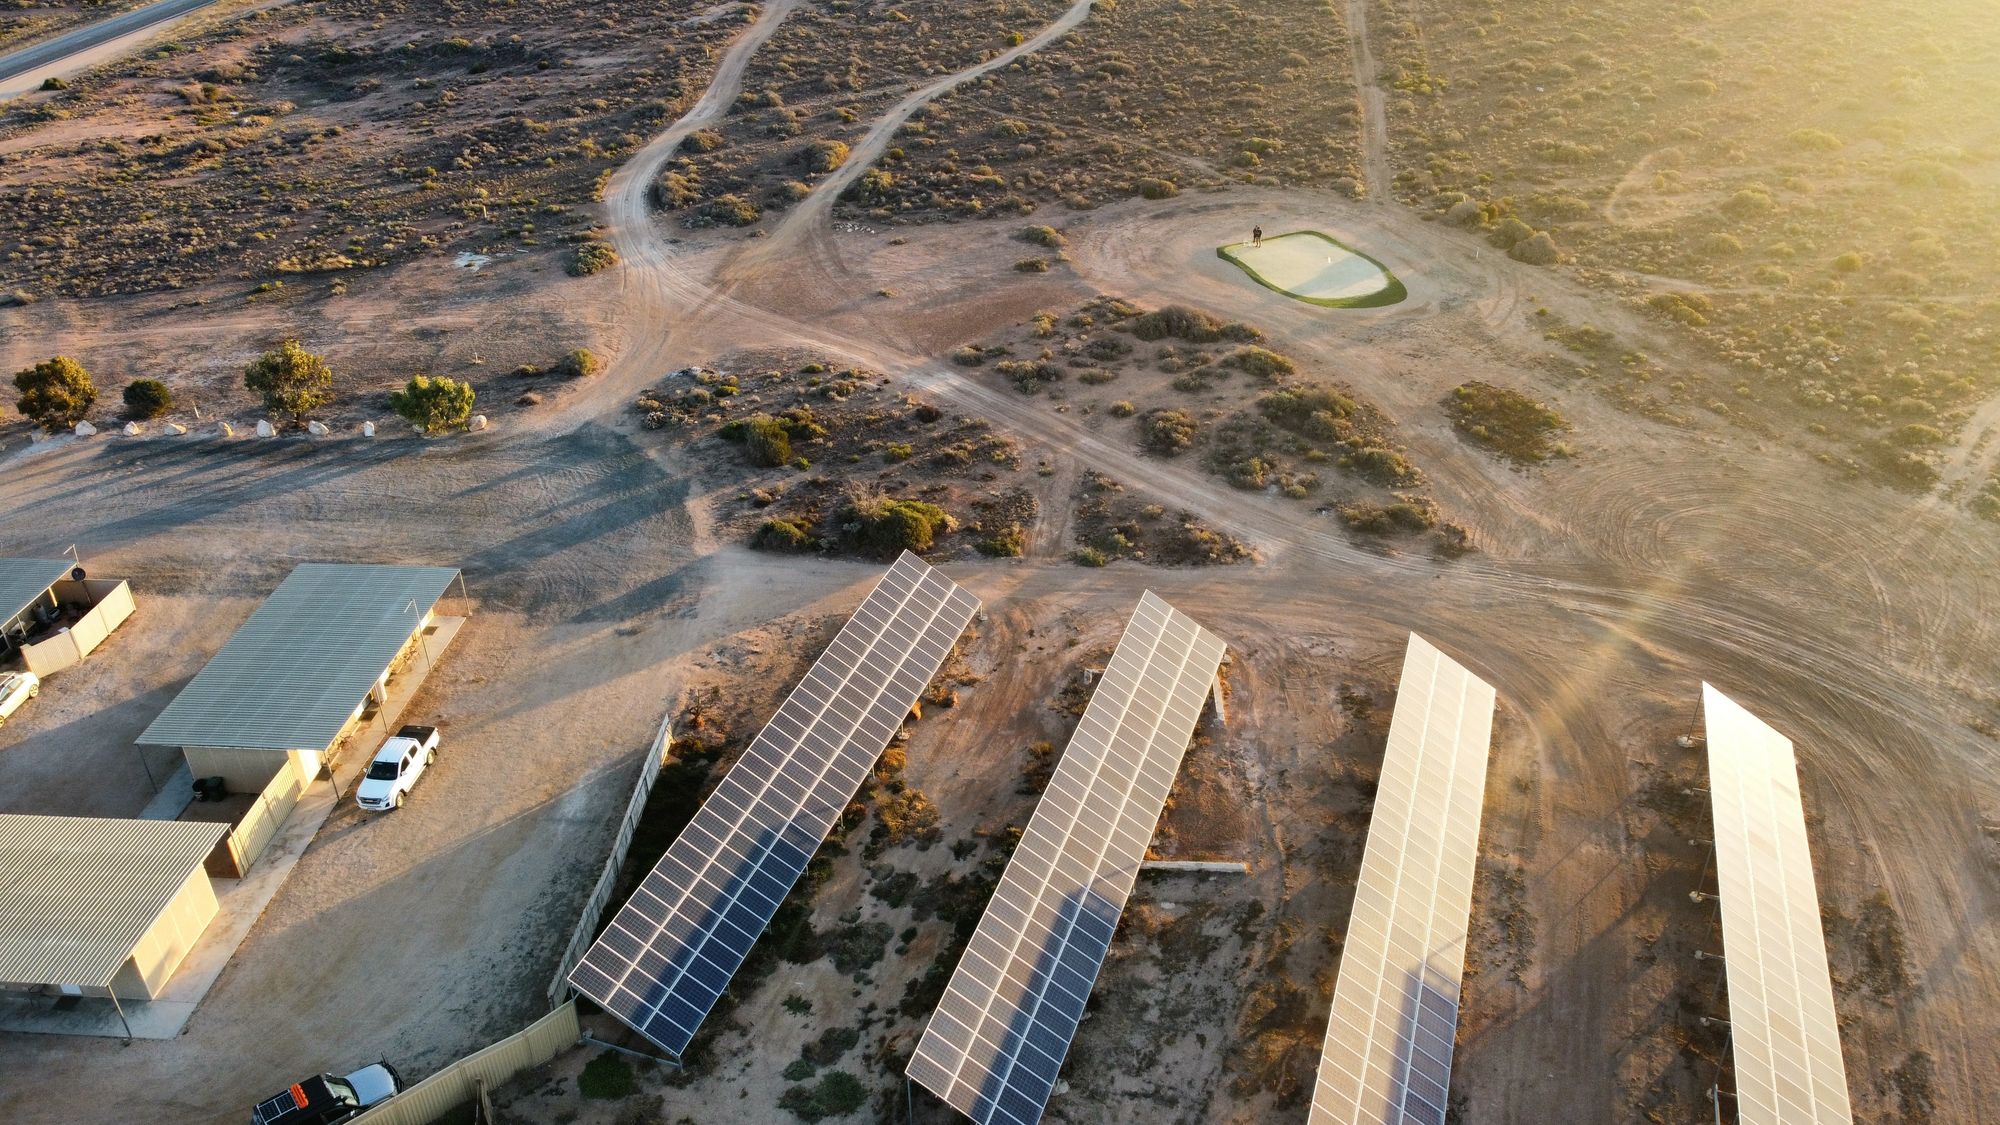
248 771
163 948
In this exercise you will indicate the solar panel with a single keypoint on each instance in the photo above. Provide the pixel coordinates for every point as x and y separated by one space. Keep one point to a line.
672 949
997 1039
1785 1039
1387 1059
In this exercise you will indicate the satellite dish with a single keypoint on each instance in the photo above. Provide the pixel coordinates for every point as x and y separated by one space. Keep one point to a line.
76 574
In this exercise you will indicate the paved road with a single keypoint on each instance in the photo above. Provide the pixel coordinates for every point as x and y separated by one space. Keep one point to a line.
95 35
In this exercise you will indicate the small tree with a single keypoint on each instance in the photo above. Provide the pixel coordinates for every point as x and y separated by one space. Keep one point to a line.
292 381
435 404
55 394
147 398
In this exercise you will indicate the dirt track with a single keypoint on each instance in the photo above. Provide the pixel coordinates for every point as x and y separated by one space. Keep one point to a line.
1606 589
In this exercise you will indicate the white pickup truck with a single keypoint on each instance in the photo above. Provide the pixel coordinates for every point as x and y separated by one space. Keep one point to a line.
17 688
396 768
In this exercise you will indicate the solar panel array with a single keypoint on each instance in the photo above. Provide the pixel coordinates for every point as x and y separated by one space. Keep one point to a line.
998 1037
672 949
1387 1058
1785 1039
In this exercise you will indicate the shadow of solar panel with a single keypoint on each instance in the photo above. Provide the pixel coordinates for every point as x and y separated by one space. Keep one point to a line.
673 947
1032 1048
995 1043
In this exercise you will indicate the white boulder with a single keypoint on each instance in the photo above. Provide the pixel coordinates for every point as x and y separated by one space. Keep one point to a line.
317 429
85 429
134 429
175 428
367 429
266 429
478 422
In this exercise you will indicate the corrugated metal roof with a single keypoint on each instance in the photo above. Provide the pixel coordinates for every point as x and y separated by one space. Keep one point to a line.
77 893
296 671
24 580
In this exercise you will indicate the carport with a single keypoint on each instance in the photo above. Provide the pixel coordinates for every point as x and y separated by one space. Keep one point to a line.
334 649
27 597
56 615
97 907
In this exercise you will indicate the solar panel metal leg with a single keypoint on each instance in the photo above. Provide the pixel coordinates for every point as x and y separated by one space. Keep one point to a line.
1215 700
121 1018
596 1042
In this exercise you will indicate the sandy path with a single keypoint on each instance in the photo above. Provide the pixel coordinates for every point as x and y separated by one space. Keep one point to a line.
1374 106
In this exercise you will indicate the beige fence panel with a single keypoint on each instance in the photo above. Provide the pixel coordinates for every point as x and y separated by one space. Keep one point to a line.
607 880
453 1086
112 605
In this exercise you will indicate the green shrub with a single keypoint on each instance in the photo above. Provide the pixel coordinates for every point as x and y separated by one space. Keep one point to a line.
1815 140
1044 236
1318 413
782 535
1386 519
1505 421
291 381
1381 465
1089 556
769 442
1028 376
434 405
1167 431
886 526
1538 249
701 140
1009 542
1122 409
731 210
582 363
606 1077
1154 188
824 156
834 1095
147 398
55 394
1032 265
1262 363
1192 325
592 257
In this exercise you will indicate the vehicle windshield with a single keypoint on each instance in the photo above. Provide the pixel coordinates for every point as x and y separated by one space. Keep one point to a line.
384 771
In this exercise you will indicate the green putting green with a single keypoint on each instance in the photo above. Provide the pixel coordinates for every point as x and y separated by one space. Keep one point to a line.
1311 267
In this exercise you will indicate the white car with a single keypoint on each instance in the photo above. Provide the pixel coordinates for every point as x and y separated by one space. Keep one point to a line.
396 768
17 688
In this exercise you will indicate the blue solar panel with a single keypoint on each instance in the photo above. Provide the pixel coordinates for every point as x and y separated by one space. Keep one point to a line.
997 1040
671 950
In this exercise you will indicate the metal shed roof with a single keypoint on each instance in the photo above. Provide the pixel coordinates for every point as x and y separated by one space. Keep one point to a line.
295 672
24 580
78 893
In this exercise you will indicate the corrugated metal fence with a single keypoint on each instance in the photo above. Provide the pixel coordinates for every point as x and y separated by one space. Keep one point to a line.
600 895
455 1085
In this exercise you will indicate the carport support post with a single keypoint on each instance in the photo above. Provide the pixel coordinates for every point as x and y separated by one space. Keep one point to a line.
121 1016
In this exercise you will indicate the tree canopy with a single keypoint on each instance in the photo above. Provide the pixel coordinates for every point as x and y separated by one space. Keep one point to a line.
292 381
56 393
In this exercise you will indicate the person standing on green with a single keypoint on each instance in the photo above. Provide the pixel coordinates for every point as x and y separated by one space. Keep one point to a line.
1257 235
